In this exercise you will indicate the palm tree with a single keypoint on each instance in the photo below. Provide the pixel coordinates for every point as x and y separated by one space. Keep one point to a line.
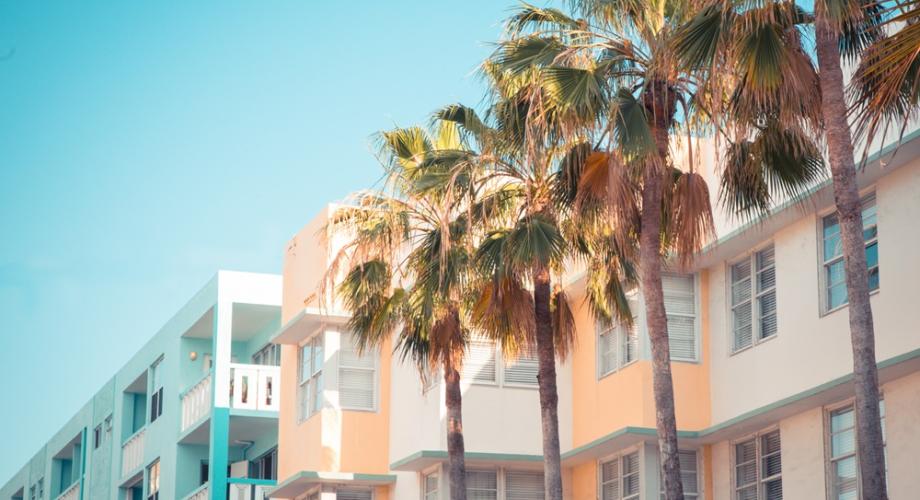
613 75
766 39
407 262
534 170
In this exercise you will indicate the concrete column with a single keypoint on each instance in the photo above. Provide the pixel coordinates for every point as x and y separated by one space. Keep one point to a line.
220 394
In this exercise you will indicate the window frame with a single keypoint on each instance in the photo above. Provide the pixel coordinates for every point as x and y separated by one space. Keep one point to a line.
620 331
308 390
375 375
640 458
761 481
269 352
697 310
500 366
149 482
830 460
434 472
698 463
155 399
867 196
752 259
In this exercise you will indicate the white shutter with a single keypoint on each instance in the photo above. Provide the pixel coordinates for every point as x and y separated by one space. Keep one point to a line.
521 485
522 370
357 377
606 348
431 486
766 292
353 494
481 485
680 306
742 316
630 477
479 365
610 480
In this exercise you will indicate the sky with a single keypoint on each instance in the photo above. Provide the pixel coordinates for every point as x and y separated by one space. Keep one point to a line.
145 145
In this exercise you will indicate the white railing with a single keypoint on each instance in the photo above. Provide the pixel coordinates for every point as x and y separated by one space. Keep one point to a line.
199 494
196 403
239 491
255 387
132 453
71 493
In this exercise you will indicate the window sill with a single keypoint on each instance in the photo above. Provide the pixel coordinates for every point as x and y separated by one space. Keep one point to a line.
843 306
755 344
617 370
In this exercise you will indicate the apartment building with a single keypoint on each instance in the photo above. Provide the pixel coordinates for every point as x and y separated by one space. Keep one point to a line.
192 415
761 357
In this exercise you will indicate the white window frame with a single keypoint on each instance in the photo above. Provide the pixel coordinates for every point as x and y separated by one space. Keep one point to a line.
375 374
865 199
270 353
434 472
309 392
621 333
698 462
696 317
155 399
758 461
498 479
754 298
640 459
830 459
153 480
356 488
500 366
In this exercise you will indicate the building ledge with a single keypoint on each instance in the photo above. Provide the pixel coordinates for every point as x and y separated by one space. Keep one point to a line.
426 458
302 481
306 323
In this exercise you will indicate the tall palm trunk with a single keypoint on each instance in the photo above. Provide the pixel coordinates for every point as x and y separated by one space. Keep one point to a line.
657 319
456 462
546 378
849 209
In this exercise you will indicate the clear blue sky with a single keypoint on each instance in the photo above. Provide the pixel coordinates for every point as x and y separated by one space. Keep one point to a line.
144 145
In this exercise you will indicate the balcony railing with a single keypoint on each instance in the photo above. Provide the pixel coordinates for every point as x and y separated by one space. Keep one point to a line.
255 387
196 403
132 453
201 493
71 493
249 489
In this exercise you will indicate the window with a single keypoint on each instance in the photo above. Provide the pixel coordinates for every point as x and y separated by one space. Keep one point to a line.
430 486
753 299
485 364
357 377
481 484
689 474
153 481
270 355
523 369
354 494
107 426
843 464
97 437
266 466
620 478
521 485
835 287
680 306
480 362
156 394
41 488
618 345
758 468
310 389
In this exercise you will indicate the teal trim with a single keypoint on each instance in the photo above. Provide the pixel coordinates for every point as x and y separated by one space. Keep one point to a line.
256 482
83 447
651 432
315 475
220 429
442 455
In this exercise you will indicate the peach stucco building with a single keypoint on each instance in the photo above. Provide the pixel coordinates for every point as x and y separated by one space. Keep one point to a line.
761 361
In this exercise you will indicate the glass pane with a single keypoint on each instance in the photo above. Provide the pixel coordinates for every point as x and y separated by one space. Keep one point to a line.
773 490
772 465
678 294
745 452
768 326
749 493
843 442
842 419
741 291
746 474
831 237
610 471
306 356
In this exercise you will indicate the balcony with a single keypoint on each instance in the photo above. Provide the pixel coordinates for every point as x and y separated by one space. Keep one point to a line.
200 493
249 489
255 387
132 453
71 493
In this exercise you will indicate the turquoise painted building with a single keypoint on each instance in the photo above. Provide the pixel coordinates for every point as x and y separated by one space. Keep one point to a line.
193 415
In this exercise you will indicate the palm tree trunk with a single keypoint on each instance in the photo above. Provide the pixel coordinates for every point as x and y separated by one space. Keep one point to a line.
546 378
456 462
657 321
870 450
